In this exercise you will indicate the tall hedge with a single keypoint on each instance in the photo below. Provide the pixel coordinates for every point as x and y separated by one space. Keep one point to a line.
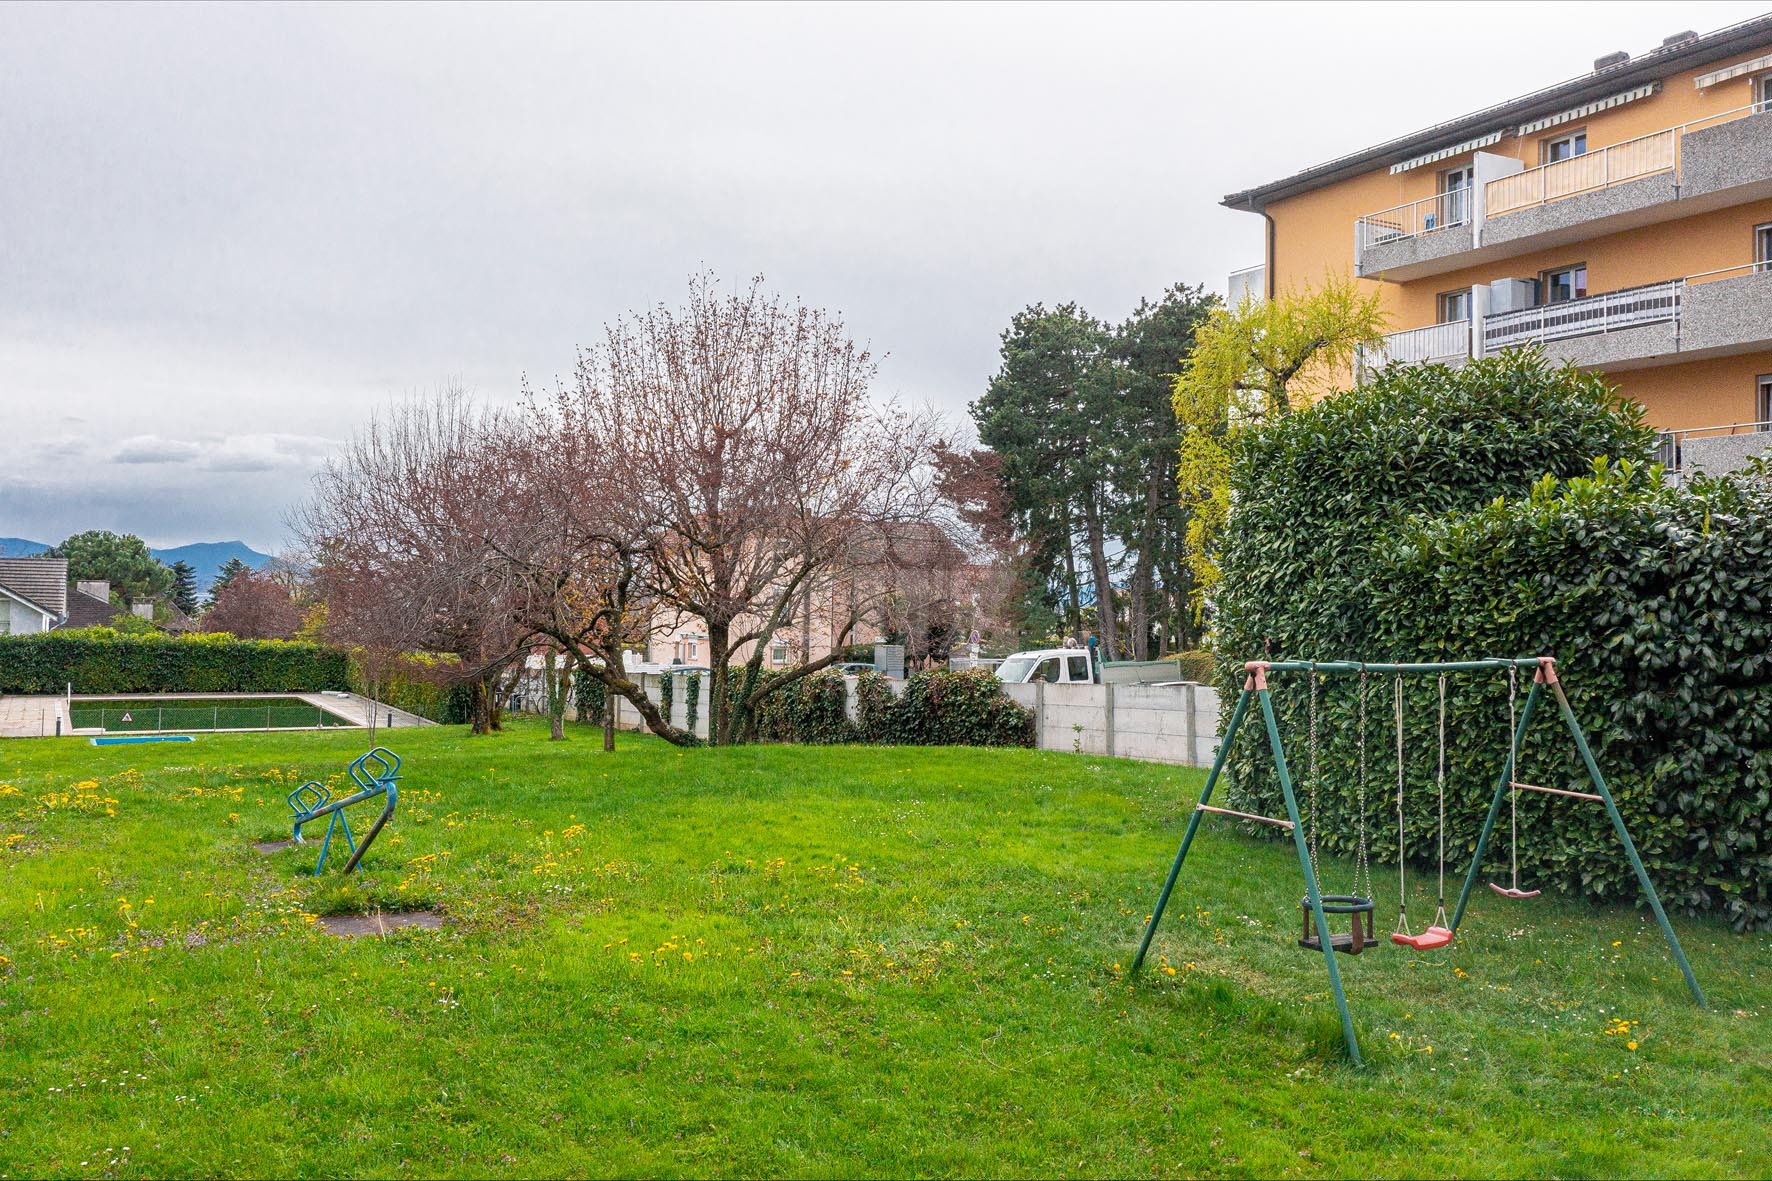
1412 520
935 709
99 660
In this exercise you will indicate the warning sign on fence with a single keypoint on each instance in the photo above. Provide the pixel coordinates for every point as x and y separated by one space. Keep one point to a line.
126 716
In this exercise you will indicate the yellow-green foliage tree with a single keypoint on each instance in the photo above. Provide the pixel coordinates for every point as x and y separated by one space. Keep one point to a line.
1262 357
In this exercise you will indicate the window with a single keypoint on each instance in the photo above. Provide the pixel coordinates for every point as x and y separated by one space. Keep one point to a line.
1765 407
1455 186
691 643
1763 93
1565 147
1563 284
778 654
1455 306
1763 247
1078 669
1048 670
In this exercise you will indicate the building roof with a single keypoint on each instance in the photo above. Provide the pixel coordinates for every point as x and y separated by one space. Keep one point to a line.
86 610
43 582
1670 58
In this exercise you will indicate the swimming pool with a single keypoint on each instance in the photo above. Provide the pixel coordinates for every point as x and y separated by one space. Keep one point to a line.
223 712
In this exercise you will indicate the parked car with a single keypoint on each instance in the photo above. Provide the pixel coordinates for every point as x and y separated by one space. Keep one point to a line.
854 668
1055 666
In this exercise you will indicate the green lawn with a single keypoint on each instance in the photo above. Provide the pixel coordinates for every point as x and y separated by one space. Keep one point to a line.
796 961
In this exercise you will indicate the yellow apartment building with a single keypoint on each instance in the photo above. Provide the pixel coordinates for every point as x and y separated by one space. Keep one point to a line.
1622 220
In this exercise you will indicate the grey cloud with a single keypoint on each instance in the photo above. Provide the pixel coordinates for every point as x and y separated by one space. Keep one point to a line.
154 449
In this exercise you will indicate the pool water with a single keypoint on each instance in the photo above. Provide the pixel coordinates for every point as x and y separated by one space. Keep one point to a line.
150 714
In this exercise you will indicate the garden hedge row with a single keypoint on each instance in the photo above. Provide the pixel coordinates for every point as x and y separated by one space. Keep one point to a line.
1440 514
936 709
99 660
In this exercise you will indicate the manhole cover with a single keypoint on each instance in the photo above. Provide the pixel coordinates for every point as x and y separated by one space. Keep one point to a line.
348 926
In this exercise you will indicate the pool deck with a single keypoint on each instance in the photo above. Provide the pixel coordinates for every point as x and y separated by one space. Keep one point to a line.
36 716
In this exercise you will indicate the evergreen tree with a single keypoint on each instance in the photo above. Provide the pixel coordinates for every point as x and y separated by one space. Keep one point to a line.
184 587
121 559
230 569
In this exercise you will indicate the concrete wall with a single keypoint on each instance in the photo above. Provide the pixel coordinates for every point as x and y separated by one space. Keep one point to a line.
16 619
1169 723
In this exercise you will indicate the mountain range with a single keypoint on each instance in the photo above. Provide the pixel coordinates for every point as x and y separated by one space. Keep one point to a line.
205 557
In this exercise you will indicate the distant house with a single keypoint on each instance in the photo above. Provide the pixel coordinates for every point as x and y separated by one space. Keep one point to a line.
89 605
33 595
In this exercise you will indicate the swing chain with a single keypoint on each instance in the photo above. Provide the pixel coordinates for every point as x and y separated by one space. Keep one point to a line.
1315 872
1362 865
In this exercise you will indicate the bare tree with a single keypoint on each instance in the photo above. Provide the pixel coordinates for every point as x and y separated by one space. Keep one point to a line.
254 606
743 424
396 535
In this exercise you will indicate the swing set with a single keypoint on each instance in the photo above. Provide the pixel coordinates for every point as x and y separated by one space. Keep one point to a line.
1358 904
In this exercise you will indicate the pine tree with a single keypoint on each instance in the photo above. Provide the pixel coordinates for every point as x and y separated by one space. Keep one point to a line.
230 569
184 587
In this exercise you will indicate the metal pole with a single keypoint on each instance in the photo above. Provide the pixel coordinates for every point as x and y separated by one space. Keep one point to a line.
1310 877
1501 789
1630 847
1193 825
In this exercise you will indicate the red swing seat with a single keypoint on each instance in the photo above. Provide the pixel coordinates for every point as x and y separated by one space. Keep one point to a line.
1432 938
1514 892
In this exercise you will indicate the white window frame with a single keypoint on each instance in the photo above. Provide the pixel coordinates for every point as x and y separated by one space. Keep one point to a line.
1547 148
1544 283
1763 392
1763 245
1445 299
1762 92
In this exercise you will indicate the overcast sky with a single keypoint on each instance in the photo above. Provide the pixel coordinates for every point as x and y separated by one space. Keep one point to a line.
228 233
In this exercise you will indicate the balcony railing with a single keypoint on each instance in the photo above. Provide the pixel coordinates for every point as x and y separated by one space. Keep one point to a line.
1647 155
1630 308
1674 449
1436 342
1441 211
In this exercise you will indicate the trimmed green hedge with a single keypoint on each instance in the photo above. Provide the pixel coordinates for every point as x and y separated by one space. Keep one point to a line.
1412 520
405 685
99 660
936 709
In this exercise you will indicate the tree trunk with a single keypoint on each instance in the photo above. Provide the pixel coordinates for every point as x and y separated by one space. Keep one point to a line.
1106 624
479 715
556 698
719 638
1070 579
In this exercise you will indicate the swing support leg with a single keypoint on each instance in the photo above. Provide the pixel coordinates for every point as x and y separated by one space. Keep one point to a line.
1193 825
1501 789
1630 846
1310 877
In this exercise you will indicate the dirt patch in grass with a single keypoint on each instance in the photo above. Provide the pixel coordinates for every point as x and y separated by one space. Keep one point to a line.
272 846
349 926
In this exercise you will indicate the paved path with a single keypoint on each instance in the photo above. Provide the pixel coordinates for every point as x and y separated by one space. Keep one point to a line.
32 717
355 707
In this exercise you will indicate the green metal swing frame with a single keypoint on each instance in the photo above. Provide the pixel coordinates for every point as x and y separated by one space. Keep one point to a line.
1255 691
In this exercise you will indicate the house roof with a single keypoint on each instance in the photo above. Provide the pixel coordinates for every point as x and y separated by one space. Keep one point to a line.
42 582
86 610
1654 66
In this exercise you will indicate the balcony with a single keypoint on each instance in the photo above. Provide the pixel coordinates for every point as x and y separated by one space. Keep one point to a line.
1614 312
1711 163
1707 315
1432 228
1250 283
1713 450
1437 343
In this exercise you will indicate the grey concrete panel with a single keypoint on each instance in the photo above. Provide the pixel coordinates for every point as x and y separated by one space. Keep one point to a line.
1578 210
1726 156
1400 252
1724 313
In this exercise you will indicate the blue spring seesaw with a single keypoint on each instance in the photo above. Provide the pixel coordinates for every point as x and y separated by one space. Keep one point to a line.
375 773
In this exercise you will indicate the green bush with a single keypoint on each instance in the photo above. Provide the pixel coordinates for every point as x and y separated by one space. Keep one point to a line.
1411 520
936 709
692 705
589 696
666 693
100 660
412 684
1196 665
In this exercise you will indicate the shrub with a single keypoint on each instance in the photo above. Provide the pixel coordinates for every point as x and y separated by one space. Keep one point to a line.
936 709
692 705
412 683
666 692
1196 665
589 695
811 710
100 660
1412 520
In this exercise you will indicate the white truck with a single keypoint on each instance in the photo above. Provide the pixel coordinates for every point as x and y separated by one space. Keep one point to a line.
1055 666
